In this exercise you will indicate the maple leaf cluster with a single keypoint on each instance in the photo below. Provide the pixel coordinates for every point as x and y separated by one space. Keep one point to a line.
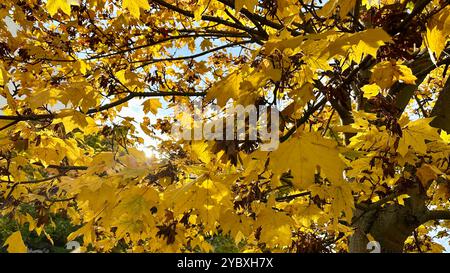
361 88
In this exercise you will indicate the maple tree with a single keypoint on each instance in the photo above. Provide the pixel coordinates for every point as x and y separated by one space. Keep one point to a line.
362 91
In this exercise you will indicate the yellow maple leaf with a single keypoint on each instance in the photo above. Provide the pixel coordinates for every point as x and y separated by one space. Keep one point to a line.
12 103
445 136
405 74
87 231
82 66
134 6
227 88
386 73
379 3
152 105
200 8
206 44
426 174
199 150
205 195
249 4
401 199
370 90
145 125
341 6
415 134
342 201
120 75
237 225
305 155
72 120
370 41
438 33
54 5
357 45
137 202
276 226
15 243
3 76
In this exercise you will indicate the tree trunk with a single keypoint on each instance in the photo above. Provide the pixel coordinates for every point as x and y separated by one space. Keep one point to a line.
391 224
388 224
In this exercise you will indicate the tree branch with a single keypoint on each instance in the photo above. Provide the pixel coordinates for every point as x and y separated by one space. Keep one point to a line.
144 95
252 16
437 215
32 181
106 106
421 67
291 197
418 8
205 17
196 35
303 119
152 61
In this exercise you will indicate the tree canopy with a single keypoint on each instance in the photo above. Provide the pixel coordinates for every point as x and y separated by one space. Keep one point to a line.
360 87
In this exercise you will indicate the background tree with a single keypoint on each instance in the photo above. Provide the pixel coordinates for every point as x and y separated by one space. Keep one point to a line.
361 87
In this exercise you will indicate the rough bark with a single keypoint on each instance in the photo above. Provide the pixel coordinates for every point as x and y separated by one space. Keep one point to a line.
441 110
389 224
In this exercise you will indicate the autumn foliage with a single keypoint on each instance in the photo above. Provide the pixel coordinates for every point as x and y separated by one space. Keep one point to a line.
360 87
